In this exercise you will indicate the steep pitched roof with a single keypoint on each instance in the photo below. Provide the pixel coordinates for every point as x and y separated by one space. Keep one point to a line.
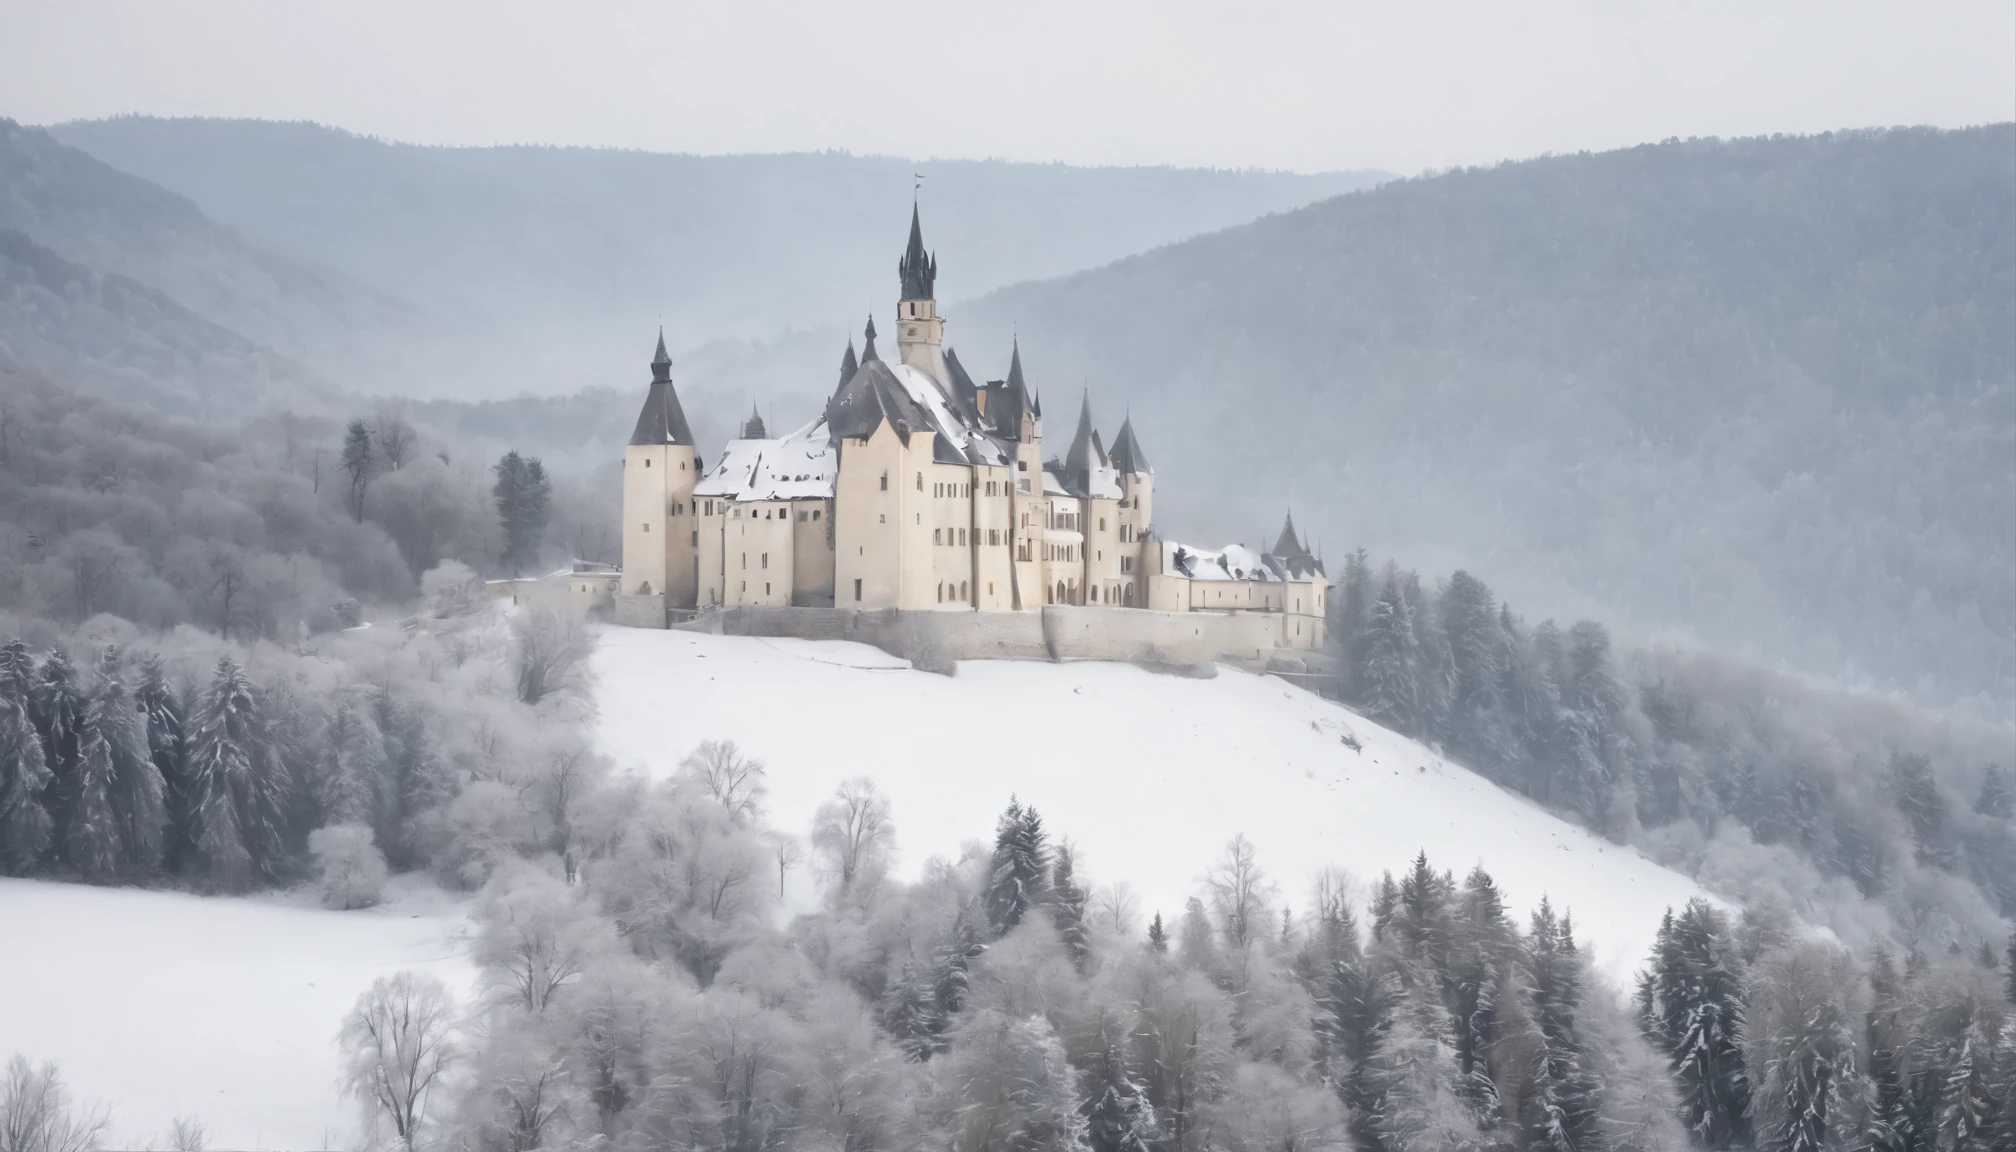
1292 555
662 420
918 271
1084 470
868 349
848 363
1127 455
752 428
963 389
1286 544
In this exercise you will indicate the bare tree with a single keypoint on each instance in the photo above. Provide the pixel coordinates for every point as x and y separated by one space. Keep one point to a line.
1117 907
537 937
397 1044
37 1114
788 853
1239 892
186 1134
551 644
395 439
734 781
567 772
852 834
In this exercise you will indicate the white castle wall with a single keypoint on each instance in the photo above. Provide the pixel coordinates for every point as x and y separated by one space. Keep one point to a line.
936 641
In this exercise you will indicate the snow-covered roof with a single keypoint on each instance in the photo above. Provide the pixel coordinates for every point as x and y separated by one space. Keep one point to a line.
952 425
800 466
1232 562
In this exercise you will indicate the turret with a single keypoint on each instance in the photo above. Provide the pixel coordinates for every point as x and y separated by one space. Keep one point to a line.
1137 481
659 471
920 334
752 428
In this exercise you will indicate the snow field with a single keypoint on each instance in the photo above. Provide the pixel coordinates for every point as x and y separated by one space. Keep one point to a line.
163 1004
1149 775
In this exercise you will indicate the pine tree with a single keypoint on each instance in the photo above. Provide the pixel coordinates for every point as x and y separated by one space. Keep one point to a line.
1019 877
25 825
1067 907
1158 940
909 1015
1924 808
239 799
1478 731
138 792
1996 798
1388 675
1561 1107
359 462
1350 609
524 498
161 717
1701 1020
92 844
1480 946
56 704
352 768
1813 1068
1968 1117
1120 1122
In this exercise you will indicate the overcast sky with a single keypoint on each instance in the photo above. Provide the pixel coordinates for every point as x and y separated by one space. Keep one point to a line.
1401 85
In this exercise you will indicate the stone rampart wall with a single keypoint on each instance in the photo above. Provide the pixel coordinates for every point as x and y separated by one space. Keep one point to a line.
937 641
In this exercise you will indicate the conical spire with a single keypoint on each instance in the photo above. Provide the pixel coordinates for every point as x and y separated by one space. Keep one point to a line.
662 420
1127 454
1288 545
752 428
661 364
1085 453
868 348
918 270
848 364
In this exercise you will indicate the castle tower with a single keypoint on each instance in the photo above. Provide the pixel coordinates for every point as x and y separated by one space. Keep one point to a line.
1137 508
659 471
920 334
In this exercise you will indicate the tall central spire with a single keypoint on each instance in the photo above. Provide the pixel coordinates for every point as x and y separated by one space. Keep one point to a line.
918 269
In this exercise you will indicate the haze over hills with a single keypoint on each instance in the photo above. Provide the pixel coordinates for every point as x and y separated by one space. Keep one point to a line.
1761 391
553 265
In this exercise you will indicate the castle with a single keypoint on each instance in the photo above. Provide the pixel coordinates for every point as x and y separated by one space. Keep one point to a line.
919 489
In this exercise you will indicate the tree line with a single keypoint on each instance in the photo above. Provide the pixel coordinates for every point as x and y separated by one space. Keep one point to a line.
1881 821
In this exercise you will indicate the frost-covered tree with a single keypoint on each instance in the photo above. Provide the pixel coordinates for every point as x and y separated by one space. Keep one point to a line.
56 703
349 869
853 838
239 799
1067 905
351 768
1239 892
1389 677
398 1046
1018 877
1699 1011
734 780
24 773
524 497
160 709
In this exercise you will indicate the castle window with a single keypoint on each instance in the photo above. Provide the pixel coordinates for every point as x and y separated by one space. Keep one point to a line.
990 587
934 535
745 559
696 537
647 462
884 518
941 593
885 481
857 589
815 515
962 537
647 526
962 590
920 481
682 465
766 560
1102 523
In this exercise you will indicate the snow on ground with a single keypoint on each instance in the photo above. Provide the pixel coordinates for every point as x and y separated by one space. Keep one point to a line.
1148 774
163 1004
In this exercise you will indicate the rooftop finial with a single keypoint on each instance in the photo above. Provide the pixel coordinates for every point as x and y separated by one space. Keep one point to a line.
661 364
868 347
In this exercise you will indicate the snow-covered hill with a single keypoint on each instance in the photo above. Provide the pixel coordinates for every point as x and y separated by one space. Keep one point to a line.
1149 774
163 1004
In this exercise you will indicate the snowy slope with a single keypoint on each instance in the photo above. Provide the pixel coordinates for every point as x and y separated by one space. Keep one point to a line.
1148 774
163 1004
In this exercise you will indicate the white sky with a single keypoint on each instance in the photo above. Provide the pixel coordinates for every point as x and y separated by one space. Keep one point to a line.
1401 85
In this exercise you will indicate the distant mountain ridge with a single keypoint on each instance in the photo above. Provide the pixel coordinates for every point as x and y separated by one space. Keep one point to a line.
1761 392
558 263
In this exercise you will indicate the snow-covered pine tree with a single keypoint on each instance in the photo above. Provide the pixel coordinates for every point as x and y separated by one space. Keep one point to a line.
1701 1003
90 829
352 768
1481 944
1411 1081
1121 1122
161 717
414 778
1996 799
910 1017
1067 907
239 800
1019 877
1562 1099
1477 728
1811 1065
25 825
1971 1103
1924 807
1158 940
56 703
138 792
1349 611
1421 918
1388 675
951 977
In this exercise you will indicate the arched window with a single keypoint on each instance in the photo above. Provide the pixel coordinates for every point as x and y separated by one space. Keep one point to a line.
1063 594
962 590
1130 595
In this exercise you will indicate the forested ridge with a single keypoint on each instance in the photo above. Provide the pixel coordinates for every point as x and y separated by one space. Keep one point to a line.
1759 392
